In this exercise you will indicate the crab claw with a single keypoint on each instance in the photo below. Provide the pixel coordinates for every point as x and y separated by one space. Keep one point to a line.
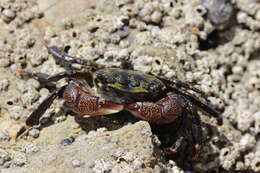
163 111
152 112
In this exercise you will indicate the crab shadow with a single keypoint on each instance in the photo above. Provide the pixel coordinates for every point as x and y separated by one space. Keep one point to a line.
167 136
183 158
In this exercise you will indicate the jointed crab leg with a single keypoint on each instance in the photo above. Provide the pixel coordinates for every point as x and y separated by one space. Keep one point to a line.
179 83
35 116
62 56
66 60
44 78
195 127
204 107
188 128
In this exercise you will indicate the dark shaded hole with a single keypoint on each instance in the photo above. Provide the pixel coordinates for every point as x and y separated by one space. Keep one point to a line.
94 29
182 61
171 4
125 21
67 48
212 41
226 153
179 14
257 164
93 44
254 55
121 160
10 103
201 27
157 62
129 10
228 71
74 34
93 7
199 10
99 19
219 66
236 80
244 69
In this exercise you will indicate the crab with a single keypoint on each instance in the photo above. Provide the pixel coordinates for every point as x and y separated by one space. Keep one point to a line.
102 91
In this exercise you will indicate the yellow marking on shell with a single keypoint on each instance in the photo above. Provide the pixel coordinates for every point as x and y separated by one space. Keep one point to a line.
133 89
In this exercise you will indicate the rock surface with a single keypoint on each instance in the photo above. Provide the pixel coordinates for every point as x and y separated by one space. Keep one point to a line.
129 149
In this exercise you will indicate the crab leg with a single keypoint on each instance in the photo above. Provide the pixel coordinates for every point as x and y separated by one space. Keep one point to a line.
62 56
196 130
179 83
42 77
35 116
66 60
204 107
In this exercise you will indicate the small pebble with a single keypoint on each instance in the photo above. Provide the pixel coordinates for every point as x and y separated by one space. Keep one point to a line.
156 17
20 160
219 11
8 15
4 62
137 164
255 164
4 157
67 141
257 16
34 133
247 141
29 148
34 83
16 112
77 163
129 156
4 136
4 83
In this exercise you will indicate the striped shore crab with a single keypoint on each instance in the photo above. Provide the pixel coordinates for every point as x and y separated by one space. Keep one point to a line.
102 91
